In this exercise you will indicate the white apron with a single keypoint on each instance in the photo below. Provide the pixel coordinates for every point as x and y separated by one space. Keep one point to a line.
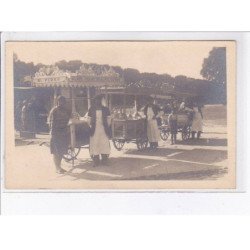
197 124
152 127
99 142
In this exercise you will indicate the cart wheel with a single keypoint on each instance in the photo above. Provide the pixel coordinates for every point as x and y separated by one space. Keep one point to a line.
164 134
186 131
71 155
142 144
118 144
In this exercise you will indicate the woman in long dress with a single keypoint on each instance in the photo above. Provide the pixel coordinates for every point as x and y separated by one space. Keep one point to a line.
100 131
197 123
151 112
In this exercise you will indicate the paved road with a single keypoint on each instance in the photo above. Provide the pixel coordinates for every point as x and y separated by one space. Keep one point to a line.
191 160
201 159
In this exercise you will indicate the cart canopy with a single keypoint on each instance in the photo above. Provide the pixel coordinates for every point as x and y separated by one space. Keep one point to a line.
52 76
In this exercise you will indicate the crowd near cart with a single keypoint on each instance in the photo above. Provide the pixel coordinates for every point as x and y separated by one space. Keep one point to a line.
124 130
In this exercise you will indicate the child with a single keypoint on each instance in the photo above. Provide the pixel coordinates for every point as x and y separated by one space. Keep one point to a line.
172 121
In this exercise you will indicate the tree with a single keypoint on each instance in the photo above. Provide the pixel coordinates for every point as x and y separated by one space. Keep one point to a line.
131 75
118 70
22 70
214 69
72 65
214 66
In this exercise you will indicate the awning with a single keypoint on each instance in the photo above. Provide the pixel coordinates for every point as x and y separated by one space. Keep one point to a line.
53 77
148 91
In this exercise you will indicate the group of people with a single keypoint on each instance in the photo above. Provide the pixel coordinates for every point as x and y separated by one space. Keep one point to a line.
195 116
99 121
25 116
153 113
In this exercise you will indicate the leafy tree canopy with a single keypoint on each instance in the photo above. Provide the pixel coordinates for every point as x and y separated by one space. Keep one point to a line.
214 66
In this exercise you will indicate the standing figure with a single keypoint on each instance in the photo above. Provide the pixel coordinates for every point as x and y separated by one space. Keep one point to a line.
58 122
197 124
172 121
24 116
31 126
152 111
100 131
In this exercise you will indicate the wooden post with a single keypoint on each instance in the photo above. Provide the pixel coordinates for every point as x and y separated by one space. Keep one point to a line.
88 97
135 103
55 96
72 126
124 103
106 95
110 102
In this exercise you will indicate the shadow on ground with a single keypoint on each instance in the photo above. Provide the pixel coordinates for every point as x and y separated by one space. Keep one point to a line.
132 168
211 174
195 155
205 142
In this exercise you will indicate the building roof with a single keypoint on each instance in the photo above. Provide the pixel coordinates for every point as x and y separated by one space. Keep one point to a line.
163 90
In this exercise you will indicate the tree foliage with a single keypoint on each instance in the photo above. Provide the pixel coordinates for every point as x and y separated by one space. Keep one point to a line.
22 70
131 76
72 65
214 66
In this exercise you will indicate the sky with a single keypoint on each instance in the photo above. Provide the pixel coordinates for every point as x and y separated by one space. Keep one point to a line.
170 57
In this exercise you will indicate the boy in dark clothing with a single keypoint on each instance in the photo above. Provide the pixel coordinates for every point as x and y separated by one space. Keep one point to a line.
172 121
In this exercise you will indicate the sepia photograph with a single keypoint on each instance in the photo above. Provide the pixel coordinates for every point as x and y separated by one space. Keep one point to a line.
120 115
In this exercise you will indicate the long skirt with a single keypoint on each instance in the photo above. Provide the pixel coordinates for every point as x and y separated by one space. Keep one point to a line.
153 131
99 142
197 124
59 142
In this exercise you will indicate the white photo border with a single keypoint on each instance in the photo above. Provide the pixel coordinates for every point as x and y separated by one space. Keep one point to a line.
10 199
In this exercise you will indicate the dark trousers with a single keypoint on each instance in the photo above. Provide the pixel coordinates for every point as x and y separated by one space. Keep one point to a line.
198 134
96 159
173 138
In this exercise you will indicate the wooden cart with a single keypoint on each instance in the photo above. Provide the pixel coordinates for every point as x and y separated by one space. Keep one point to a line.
129 131
82 141
184 123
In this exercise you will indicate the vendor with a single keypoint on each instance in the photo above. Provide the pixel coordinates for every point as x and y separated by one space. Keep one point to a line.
197 124
152 112
100 131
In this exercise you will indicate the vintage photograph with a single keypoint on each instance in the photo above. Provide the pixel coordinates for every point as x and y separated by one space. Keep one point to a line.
120 115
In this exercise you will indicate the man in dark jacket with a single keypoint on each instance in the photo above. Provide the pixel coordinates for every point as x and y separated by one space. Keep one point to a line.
58 122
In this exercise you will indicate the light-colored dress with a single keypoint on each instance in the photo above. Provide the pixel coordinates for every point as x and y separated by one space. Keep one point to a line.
152 127
197 124
99 142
